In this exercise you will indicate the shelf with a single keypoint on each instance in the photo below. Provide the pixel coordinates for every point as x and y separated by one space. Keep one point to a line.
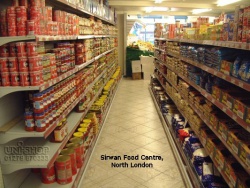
159 49
197 134
220 105
70 7
227 44
18 130
216 133
33 180
42 38
73 120
5 40
10 89
161 39
182 166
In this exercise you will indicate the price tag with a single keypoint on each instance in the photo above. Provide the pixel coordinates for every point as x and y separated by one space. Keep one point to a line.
241 84
224 109
232 80
224 76
234 117
213 100
248 128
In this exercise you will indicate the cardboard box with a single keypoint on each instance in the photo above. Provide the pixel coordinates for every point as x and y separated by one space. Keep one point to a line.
136 66
226 67
216 92
136 76
232 140
230 171
244 152
241 107
225 126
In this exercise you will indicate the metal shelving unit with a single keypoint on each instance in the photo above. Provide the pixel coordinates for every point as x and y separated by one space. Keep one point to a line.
34 179
10 89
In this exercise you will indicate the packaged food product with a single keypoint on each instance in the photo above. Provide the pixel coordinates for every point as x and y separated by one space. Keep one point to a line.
63 169
48 175
72 154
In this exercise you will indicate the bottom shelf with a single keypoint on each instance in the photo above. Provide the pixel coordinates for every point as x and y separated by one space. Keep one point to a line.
34 180
184 169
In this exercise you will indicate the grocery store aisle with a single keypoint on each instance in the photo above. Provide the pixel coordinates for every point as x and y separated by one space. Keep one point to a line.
132 128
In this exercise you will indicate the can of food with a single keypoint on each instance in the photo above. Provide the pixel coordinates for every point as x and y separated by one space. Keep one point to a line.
63 169
14 79
12 50
5 78
34 13
42 3
24 79
36 78
48 175
78 151
40 122
13 64
23 64
23 3
21 49
4 64
14 3
76 140
35 3
49 13
11 10
72 154
35 64
31 27
31 49
29 121
12 30
21 13
4 50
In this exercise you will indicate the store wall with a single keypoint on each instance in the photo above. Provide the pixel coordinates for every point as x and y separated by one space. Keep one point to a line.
121 43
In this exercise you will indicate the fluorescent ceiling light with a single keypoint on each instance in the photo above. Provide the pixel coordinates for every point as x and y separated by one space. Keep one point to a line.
158 1
226 2
151 9
198 11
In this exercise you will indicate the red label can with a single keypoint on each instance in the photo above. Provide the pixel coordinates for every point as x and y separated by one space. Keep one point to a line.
31 27
23 64
31 48
34 13
11 22
12 31
63 169
35 64
3 18
36 78
49 13
72 154
12 48
21 49
14 79
4 51
11 10
78 151
13 64
15 3
48 175
21 13
4 65
42 3
24 79
35 3
5 78
23 3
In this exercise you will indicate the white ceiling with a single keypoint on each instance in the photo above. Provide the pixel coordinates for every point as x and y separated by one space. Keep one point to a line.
176 7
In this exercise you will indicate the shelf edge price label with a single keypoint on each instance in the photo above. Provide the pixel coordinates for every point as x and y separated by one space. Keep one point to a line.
224 109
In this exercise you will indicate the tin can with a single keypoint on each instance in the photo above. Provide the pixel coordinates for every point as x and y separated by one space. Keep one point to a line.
49 13
13 64
72 154
34 13
14 79
3 14
23 3
12 50
35 3
4 64
79 141
24 79
30 24
5 78
21 49
29 121
11 22
63 169
42 3
4 51
35 64
40 122
14 3
31 49
12 31
77 148
21 33
36 78
48 175
11 10
23 64
21 13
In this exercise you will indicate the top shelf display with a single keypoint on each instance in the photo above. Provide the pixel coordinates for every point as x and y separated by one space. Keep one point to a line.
227 44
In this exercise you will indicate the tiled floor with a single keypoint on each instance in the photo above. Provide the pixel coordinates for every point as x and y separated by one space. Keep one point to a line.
132 127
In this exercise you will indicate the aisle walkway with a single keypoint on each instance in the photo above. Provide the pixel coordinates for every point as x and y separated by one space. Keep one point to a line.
132 128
